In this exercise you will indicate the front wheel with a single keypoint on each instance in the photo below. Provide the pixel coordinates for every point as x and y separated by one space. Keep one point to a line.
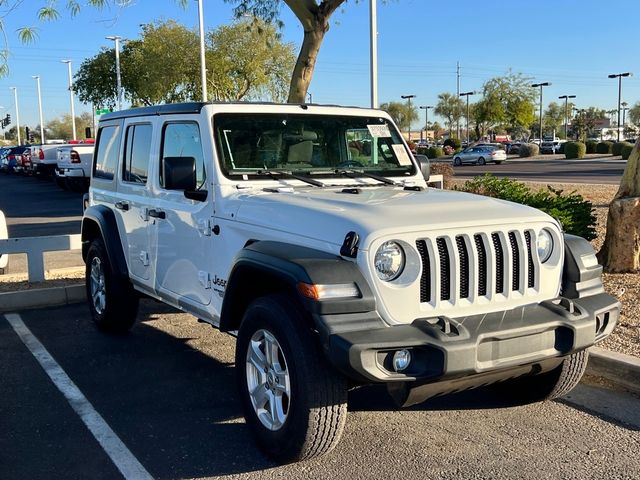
113 304
295 404
481 161
457 162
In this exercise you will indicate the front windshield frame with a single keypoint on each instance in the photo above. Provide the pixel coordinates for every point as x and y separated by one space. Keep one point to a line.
339 143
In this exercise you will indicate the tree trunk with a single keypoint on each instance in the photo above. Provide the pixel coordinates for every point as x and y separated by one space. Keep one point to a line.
306 62
620 252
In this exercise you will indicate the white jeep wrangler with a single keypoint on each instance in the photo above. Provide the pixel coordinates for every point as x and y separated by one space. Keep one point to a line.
309 232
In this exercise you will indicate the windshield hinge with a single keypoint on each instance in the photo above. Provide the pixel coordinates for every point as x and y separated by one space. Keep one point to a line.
204 226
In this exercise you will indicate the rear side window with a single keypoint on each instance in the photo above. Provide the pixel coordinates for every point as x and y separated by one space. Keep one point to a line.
106 156
183 140
135 167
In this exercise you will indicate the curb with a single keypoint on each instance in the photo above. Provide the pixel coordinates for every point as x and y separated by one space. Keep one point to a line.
621 369
42 297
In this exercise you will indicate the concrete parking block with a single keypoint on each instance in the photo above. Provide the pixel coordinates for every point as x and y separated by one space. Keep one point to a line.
41 297
618 368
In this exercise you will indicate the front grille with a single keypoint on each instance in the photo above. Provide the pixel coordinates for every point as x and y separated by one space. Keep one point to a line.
477 265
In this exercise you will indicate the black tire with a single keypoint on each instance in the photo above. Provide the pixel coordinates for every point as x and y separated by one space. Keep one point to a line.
549 385
481 161
316 404
62 183
113 304
498 163
457 162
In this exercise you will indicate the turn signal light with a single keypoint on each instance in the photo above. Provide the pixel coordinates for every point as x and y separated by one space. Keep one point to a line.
323 292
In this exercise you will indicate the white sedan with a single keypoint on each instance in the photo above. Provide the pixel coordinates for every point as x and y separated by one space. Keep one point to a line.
479 156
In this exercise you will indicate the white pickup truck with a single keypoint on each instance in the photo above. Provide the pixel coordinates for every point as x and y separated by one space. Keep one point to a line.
74 166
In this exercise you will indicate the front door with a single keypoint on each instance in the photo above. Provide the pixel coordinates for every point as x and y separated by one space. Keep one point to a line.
182 241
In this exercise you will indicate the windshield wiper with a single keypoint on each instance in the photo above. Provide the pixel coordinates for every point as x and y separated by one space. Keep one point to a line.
361 173
277 175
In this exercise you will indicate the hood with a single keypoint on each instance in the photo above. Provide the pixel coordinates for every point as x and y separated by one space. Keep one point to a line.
328 214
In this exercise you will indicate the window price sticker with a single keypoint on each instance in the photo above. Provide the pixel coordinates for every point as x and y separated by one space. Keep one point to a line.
379 131
401 154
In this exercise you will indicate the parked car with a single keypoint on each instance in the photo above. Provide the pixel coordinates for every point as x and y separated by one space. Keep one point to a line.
4 259
551 146
44 159
16 159
331 268
74 166
480 155
512 148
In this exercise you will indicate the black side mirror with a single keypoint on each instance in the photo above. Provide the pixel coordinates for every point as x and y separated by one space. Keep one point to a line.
179 173
425 168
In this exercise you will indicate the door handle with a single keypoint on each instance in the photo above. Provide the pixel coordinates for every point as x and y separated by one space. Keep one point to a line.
157 214
122 206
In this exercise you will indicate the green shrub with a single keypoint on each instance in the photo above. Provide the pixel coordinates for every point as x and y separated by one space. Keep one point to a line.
423 151
604 148
575 150
435 152
627 148
444 169
574 213
591 146
529 150
616 149
453 142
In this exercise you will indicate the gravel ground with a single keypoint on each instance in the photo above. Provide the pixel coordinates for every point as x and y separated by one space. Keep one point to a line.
626 287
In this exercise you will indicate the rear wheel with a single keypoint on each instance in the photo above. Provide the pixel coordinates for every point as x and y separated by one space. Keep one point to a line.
498 162
295 404
113 304
481 161
549 385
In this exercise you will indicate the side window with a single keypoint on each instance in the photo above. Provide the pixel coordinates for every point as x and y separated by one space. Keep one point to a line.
106 157
183 140
136 157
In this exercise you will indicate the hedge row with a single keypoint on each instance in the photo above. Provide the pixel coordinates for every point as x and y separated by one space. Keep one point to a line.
574 213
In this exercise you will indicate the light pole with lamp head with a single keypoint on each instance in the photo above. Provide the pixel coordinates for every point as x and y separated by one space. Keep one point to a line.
541 85
203 66
467 94
566 114
117 39
73 111
619 77
426 120
37 79
408 99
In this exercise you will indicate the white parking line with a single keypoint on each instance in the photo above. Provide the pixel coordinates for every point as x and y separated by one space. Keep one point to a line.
120 455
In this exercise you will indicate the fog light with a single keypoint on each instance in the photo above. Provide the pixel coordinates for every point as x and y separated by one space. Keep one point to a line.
401 360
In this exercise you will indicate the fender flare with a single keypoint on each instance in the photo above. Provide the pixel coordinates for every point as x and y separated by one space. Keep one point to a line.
100 220
276 266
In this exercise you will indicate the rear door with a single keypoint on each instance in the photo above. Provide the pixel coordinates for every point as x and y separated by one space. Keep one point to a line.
134 197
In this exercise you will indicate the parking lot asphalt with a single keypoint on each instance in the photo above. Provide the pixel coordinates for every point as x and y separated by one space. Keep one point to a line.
167 390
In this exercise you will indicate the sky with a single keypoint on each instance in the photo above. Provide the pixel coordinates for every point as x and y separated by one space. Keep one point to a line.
574 44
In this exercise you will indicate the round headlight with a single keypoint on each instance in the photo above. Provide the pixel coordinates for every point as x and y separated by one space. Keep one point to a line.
544 244
389 261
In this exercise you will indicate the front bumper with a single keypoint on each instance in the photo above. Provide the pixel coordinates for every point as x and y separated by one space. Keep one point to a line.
443 348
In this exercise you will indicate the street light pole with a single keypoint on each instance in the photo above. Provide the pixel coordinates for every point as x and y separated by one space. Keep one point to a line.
619 77
467 94
625 107
373 31
37 79
15 96
566 114
117 39
408 99
71 102
535 85
426 119
203 66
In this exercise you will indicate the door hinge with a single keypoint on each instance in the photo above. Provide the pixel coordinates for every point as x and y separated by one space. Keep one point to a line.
204 226
205 279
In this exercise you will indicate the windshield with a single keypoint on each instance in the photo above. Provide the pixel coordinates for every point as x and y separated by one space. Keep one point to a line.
323 145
